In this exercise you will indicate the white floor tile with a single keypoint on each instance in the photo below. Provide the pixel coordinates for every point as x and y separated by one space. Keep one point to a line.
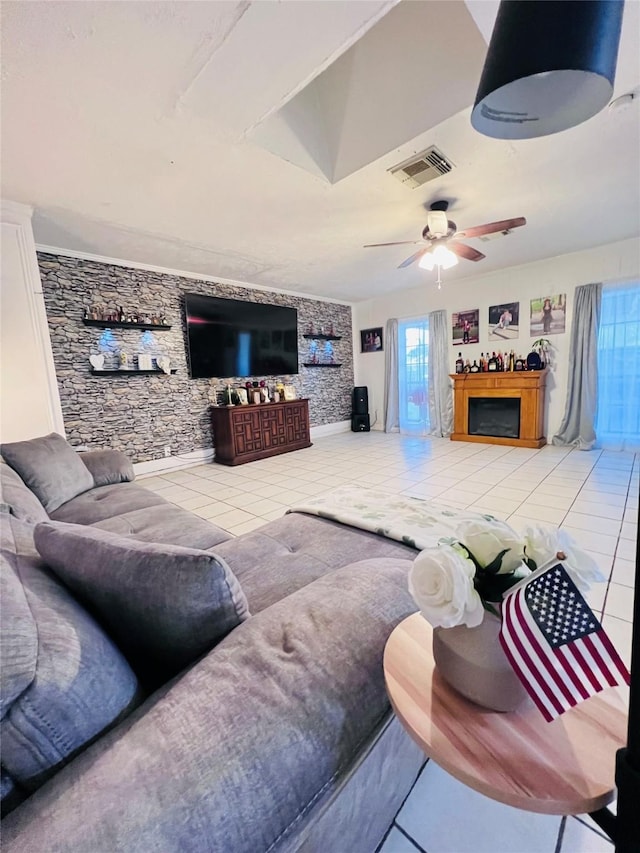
597 523
591 541
396 842
624 572
601 507
580 838
626 549
619 632
246 526
444 816
629 530
619 602
541 512
233 518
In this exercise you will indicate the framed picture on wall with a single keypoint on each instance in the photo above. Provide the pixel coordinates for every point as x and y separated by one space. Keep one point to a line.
548 315
504 321
371 340
465 326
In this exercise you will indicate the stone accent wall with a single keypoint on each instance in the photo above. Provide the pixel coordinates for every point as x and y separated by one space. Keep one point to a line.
143 414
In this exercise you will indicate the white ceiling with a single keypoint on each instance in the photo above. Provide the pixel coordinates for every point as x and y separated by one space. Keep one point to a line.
145 131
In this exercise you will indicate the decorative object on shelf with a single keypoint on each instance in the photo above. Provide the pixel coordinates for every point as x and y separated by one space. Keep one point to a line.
461 583
309 329
313 351
242 396
289 392
544 348
123 358
97 361
371 340
164 363
144 361
99 314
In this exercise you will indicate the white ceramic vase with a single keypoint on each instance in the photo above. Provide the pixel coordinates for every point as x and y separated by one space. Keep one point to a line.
471 660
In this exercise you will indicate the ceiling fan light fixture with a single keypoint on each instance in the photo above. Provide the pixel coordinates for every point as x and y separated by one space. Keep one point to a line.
550 66
440 256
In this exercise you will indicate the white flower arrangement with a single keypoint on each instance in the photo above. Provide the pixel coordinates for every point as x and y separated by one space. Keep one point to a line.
454 583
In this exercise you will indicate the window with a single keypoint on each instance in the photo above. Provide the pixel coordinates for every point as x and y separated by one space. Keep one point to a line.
413 375
618 415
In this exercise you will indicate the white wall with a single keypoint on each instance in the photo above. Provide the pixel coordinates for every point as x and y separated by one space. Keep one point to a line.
554 275
29 399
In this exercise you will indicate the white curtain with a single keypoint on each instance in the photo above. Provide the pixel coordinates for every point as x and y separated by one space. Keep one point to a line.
440 394
391 405
618 410
413 375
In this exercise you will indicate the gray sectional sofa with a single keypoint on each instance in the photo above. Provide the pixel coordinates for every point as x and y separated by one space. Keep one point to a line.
167 687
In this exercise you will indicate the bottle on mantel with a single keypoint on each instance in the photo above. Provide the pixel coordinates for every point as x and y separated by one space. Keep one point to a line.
500 362
493 363
474 367
485 363
481 362
459 364
512 360
467 367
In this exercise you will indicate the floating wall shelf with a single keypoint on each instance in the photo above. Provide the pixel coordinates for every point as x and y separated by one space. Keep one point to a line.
116 324
323 337
304 364
131 372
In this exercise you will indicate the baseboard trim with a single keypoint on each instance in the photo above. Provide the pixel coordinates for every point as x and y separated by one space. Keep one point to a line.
172 463
329 429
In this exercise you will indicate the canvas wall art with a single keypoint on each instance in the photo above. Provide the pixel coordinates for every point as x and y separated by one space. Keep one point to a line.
466 327
371 340
548 315
504 321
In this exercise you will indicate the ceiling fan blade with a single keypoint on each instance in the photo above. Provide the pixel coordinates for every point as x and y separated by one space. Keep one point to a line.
397 243
467 252
415 257
492 227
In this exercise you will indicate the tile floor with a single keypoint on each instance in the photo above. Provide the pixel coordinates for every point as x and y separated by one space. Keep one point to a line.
594 495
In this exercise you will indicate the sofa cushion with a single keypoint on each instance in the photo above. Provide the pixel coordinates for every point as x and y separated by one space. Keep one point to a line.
165 524
238 753
274 561
106 502
50 467
63 680
108 466
163 604
18 499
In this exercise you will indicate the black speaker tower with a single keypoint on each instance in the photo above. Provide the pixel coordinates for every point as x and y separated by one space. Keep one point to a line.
360 409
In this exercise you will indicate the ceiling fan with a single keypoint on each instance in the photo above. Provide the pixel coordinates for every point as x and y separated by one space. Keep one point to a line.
440 231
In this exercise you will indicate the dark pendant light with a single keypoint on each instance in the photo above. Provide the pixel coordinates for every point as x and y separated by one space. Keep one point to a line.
550 66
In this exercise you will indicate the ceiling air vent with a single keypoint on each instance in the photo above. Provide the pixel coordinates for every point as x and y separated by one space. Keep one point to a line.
486 238
422 167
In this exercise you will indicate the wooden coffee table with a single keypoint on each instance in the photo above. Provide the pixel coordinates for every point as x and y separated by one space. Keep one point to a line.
564 767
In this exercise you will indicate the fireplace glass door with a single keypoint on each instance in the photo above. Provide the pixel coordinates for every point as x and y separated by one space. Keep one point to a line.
496 416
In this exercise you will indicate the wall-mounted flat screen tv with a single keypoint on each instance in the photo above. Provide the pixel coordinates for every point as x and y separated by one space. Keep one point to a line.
229 337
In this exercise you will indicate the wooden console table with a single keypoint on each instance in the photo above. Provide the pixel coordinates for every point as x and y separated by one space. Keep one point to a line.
527 386
564 767
245 433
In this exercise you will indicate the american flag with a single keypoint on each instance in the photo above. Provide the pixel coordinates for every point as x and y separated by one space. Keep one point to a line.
555 644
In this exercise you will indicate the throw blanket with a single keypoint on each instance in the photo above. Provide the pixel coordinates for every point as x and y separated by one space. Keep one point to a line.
413 521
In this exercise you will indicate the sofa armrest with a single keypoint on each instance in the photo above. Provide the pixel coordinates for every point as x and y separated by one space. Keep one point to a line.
108 466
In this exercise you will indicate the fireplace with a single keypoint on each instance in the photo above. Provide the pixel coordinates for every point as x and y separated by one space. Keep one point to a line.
497 416
500 408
